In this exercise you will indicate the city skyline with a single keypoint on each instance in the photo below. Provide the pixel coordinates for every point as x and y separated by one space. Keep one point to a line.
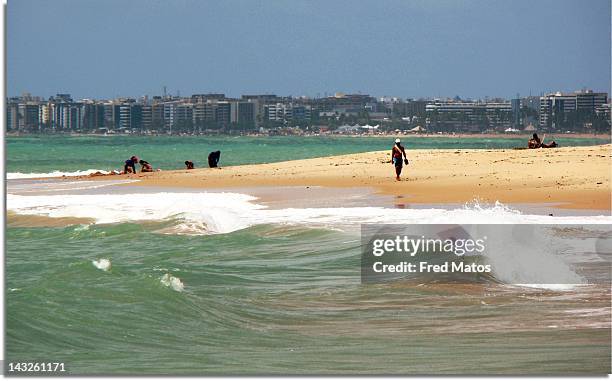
202 113
333 94
408 49
338 93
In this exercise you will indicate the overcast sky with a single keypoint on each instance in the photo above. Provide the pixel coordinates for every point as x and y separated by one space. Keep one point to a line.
405 48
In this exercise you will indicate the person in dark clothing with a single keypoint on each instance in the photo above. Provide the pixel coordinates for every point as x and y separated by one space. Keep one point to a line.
213 159
396 158
189 164
130 165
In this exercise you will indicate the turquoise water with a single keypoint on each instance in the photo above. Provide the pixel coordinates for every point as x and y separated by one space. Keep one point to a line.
44 154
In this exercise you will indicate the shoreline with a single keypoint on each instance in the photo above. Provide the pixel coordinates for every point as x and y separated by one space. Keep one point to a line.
566 178
272 198
287 199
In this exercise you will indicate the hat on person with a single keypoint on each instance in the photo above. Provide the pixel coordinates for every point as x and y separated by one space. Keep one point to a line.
397 140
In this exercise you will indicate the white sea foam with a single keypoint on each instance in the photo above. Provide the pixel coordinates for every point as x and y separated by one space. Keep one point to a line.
19 175
102 264
206 212
210 213
213 213
173 282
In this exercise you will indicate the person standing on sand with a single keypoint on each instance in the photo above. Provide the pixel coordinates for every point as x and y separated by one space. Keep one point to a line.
396 158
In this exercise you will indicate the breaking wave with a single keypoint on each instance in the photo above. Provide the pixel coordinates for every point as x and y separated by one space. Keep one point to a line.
220 213
213 213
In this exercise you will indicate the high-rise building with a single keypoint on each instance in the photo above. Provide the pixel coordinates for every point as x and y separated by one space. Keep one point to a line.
468 116
147 117
169 114
546 107
29 116
516 111
588 101
125 116
157 116
288 112
203 114
67 116
260 100
183 117
93 116
136 117
12 116
223 113
278 112
44 115
555 107
604 111
243 113
109 115
301 113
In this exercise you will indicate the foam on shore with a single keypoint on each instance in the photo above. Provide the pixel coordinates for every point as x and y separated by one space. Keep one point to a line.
87 172
210 213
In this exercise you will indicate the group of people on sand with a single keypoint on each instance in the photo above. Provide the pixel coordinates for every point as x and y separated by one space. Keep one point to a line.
145 166
130 165
398 157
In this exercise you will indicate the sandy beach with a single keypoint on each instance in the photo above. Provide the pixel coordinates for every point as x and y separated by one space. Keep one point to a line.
571 177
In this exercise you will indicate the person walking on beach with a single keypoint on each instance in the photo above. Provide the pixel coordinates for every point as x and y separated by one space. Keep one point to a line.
396 158
130 165
189 164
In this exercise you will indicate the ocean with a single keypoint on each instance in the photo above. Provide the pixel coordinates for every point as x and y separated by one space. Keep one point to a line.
126 280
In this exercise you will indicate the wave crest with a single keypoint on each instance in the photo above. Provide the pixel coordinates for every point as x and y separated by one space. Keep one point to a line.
212 213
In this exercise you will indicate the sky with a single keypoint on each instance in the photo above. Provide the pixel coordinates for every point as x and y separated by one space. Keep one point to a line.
405 48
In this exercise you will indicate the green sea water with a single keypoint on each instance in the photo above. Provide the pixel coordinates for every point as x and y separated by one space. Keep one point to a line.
44 154
270 300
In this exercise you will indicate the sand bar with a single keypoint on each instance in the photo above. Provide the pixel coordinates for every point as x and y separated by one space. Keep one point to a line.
570 177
